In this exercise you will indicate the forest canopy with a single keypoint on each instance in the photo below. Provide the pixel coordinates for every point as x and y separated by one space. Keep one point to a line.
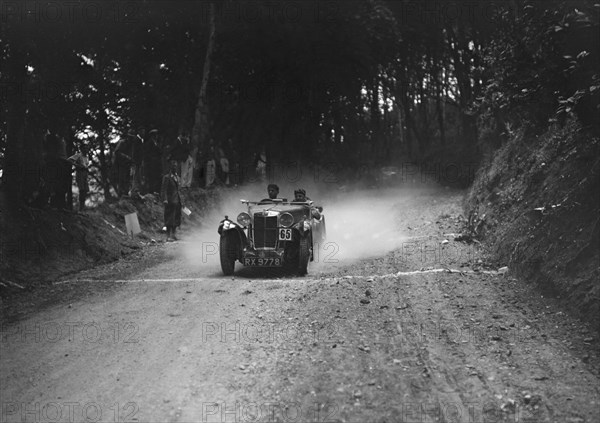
346 81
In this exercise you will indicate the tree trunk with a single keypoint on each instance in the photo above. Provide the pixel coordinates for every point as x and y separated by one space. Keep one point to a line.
201 130
440 114
424 140
104 168
411 128
13 168
402 102
70 151
463 75
375 120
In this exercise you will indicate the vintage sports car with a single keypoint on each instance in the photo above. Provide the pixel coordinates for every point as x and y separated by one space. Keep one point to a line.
272 233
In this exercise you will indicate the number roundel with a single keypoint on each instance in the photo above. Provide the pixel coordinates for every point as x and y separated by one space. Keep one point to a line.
285 234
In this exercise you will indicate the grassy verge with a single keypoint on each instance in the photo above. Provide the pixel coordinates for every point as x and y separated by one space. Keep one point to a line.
39 246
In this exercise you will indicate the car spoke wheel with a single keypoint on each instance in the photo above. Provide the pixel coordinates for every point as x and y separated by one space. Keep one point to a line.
227 253
290 257
303 255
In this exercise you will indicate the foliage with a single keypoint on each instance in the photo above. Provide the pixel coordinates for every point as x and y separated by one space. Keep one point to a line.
542 65
357 82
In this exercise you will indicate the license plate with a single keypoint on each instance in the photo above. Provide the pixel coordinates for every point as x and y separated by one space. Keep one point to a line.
285 234
262 262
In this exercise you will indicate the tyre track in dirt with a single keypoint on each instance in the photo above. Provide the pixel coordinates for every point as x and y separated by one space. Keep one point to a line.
360 341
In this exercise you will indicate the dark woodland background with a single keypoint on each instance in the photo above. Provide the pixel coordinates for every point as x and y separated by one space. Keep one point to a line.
351 83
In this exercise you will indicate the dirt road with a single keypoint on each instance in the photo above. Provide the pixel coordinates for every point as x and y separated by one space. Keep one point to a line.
400 336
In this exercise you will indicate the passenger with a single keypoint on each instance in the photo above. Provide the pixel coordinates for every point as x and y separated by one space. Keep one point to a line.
300 197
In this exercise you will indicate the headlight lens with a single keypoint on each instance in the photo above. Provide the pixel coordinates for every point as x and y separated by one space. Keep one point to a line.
286 220
244 219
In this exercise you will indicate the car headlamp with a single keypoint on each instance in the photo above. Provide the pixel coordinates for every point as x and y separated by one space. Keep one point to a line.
244 219
286 220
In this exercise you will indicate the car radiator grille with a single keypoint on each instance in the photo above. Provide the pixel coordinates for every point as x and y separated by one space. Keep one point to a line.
265 231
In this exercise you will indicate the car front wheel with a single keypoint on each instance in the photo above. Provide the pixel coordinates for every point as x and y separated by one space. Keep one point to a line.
303 256
227 253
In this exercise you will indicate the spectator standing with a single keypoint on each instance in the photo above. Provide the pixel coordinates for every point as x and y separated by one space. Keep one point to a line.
81 163
187 172
181 152
137 157
211 167
234 163
153 162
223 167
171 200
122 159
57 175
261 166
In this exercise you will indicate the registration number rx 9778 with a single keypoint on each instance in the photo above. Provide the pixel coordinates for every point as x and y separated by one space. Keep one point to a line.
265 262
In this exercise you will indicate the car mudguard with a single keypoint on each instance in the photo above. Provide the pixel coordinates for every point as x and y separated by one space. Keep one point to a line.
234 228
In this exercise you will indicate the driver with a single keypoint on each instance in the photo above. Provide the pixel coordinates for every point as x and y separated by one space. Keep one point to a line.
273 191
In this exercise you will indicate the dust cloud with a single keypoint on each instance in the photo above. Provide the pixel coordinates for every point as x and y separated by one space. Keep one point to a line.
361 222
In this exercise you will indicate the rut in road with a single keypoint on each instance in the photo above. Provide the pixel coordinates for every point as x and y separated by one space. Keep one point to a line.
371 339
